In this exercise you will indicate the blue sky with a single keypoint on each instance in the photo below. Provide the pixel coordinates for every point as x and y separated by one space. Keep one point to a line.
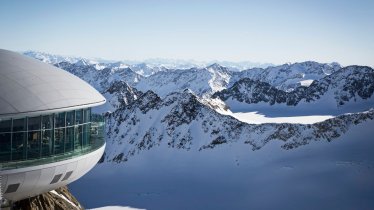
259 31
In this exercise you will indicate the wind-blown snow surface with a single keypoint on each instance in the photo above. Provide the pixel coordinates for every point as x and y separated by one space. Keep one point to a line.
321 175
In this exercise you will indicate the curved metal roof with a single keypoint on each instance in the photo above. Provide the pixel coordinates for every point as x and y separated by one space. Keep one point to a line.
31 87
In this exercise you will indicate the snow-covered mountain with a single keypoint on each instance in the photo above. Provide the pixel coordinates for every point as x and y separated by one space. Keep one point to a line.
199 80
182 121
101 79
172 133
166 76
175 107
347 86
146 70
216 77
146 67
50 58
288 77
118 95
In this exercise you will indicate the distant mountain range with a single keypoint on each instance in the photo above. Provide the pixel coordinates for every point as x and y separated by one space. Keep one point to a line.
146 67
152 105
347 85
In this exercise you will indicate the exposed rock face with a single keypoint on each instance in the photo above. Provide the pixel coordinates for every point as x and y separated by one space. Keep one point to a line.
120 94
59 199
347 84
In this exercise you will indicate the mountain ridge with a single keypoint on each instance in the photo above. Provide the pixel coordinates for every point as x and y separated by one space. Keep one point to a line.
346 84
183 121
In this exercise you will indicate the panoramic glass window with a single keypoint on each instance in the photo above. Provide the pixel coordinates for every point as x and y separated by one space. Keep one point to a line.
54 135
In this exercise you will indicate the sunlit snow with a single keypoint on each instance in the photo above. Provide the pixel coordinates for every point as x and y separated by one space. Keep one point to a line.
116 208
306 83
257 118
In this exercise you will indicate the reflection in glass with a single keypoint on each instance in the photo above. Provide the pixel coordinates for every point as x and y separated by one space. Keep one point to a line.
31 138
69 139
86 134
78 116
47 143
70 118
19 146
78 137
60 120
59 140
47 122
5 146
33 145
87 115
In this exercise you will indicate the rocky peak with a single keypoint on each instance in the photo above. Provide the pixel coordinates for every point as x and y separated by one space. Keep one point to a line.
59 199
120 94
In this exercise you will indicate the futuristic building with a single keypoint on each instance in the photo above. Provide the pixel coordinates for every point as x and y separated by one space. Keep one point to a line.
48 136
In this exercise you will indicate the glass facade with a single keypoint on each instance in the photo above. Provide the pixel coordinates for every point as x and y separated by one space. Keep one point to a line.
49 138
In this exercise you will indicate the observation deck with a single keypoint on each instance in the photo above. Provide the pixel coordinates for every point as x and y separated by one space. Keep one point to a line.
48 134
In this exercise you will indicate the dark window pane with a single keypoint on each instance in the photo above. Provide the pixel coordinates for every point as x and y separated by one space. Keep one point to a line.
78 137
33 123
60 120
19 125
59 140
47 122
5 125
69 139
19 146
5 147
70 118
86 135
47 143
33 145
87 115
78 117
97 133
